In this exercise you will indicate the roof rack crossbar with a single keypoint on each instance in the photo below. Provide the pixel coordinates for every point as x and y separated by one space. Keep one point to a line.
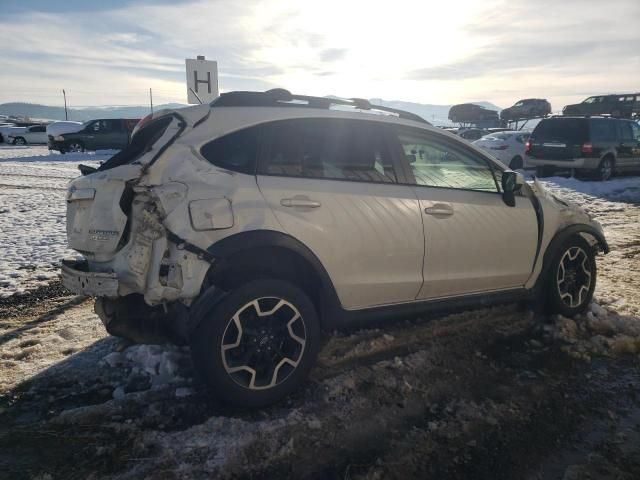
280 97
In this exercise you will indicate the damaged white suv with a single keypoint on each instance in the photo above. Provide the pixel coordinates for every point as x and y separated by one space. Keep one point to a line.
246 227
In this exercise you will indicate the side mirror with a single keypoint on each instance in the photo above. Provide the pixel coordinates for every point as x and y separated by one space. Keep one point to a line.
511 183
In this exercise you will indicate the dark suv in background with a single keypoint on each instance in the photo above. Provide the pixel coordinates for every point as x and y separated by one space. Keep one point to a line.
527 108
102 134
625 105
591 146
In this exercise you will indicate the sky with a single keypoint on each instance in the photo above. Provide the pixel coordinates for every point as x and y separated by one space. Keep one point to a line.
438 52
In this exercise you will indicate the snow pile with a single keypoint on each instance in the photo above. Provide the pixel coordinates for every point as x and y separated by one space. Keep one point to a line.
620 189
152 367
601 331
33 185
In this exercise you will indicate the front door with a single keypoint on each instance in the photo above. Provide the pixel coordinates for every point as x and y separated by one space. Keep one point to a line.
332 184
474 242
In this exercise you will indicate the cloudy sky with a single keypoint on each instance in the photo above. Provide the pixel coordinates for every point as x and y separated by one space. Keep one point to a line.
442 52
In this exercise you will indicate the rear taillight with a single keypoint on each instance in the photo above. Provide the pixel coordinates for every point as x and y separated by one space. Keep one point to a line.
527 146
587 148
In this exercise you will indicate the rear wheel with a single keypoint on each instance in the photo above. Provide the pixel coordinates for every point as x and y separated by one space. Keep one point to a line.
516 163
605 169
258 344
572 277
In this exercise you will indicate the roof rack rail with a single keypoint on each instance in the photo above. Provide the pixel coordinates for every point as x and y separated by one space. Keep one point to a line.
279 97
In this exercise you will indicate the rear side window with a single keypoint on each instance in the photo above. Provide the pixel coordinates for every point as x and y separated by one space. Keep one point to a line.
329 149
602 130
236 151
626 132
570 130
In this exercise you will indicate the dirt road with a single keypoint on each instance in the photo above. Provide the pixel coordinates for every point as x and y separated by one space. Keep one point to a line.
486 394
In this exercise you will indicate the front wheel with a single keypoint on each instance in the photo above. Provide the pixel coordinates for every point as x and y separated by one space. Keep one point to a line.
76 147
258 344
572 277
19 141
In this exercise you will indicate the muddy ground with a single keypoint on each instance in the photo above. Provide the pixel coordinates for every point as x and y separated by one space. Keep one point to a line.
492 393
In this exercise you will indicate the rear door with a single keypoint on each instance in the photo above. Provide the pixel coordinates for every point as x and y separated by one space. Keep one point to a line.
474 242
333 185
37 134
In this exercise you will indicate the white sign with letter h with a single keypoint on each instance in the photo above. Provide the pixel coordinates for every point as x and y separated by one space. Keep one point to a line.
202 80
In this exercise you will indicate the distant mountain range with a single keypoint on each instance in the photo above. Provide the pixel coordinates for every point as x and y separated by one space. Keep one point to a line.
34 110
435 114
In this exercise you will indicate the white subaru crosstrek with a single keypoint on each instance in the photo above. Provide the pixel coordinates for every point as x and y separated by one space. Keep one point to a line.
248 226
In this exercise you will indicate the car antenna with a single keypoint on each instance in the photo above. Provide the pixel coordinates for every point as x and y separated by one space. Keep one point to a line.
196 95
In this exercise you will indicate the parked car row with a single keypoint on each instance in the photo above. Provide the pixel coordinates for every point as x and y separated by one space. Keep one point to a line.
625 105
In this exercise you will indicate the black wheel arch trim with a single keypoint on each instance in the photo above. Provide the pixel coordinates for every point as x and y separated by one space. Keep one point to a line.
245 241
563 235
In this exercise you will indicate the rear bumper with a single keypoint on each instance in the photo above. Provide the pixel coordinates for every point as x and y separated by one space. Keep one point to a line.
588 163
77 278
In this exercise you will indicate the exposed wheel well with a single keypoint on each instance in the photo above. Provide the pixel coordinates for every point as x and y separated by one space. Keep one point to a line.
276 262
610 156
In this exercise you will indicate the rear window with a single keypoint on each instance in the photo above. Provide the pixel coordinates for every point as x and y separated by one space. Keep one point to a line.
570 130
141 143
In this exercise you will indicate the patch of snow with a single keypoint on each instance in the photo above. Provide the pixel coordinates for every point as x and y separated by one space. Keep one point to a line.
33 183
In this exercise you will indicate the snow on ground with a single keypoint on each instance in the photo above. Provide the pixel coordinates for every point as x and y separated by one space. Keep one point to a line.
33 183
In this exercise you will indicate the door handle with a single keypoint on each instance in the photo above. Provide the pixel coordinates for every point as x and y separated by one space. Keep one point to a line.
439 210
303 202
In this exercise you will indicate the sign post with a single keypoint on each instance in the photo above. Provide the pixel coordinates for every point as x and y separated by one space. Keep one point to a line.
202 80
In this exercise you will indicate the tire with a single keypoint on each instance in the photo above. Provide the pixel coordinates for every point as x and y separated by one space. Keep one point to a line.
19 141
572 277
241 359
516 163
75 147
605 170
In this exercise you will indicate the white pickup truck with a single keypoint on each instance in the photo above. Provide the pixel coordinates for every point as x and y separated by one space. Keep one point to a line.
35 134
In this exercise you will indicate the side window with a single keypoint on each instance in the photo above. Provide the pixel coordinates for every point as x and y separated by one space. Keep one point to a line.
636 131
330 149
235 151
37 129
602 130
437 163
626 133
95 126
